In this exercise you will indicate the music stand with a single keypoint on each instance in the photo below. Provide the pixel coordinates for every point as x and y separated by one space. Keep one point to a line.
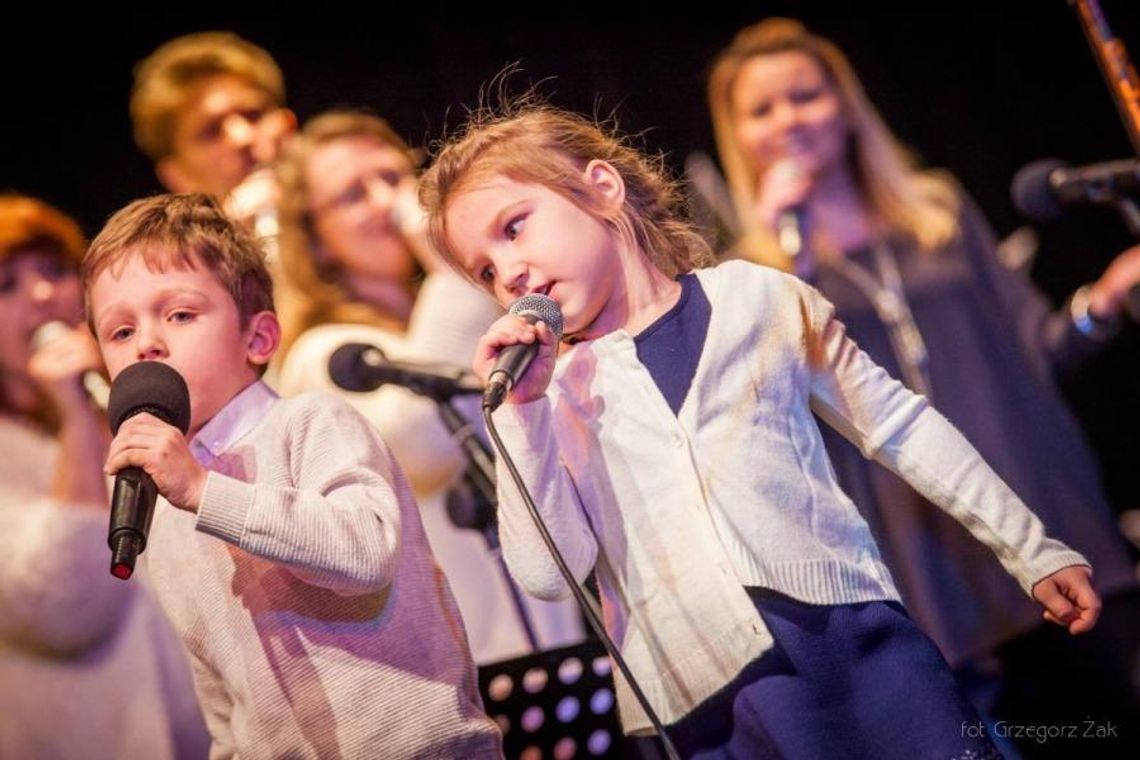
557 704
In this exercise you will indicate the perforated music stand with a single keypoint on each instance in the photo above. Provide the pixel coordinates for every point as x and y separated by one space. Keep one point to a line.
556 704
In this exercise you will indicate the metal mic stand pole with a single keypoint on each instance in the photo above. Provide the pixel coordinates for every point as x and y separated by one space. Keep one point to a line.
1112 57
479 476
1120 75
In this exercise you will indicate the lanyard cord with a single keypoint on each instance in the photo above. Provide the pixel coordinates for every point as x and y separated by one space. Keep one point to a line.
886 294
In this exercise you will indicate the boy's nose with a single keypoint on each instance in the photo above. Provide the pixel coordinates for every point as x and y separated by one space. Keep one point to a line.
149 345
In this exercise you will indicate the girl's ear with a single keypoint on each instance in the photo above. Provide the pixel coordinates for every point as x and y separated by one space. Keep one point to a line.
607 183
264 336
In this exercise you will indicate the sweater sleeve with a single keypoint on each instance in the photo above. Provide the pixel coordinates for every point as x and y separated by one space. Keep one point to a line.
335 523
526 432
56 590
901 431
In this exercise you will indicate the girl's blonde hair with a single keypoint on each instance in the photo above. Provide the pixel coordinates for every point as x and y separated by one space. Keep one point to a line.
527 140
316 292
920 205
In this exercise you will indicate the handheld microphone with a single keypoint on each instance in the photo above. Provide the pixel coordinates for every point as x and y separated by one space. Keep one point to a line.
789 224
361 367
158 389
788 232
94 383
514 360
1042 188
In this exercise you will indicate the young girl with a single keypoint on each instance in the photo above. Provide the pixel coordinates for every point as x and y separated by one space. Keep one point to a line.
671 446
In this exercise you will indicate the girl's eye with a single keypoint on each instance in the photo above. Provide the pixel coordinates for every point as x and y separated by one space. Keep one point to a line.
514 228
487 274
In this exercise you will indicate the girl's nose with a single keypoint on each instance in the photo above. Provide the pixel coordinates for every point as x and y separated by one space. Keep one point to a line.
514 275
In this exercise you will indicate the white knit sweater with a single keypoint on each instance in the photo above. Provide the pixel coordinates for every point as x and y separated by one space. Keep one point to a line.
89 666
736 489
317 621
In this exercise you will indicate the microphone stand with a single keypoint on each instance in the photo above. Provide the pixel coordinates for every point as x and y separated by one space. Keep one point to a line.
1119 73
479 487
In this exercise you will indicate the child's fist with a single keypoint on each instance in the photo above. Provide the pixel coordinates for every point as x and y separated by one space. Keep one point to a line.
1069 598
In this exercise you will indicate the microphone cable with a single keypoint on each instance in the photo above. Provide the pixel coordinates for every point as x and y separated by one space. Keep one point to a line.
587 603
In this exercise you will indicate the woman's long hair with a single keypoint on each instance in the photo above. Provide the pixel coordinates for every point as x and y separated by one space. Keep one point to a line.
920 205
315 292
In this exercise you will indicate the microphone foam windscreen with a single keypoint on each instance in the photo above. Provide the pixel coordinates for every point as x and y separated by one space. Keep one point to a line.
1032 194
151 387
541 307
349 367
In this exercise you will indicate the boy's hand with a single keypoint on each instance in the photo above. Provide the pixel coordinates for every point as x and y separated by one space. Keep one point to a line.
510 330
1069 598
162 452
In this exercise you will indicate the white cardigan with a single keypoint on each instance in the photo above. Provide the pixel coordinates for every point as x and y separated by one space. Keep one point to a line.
736 489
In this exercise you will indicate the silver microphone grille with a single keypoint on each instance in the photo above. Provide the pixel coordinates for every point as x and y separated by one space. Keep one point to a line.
540 307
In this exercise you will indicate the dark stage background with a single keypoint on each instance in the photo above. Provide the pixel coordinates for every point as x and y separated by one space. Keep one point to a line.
979 88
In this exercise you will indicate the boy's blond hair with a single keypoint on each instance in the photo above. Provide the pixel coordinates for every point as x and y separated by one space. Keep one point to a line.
527 140
166 78
183 231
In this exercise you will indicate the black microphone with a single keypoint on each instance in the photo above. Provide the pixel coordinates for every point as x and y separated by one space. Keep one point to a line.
361 367
514 360
158 389
1042 188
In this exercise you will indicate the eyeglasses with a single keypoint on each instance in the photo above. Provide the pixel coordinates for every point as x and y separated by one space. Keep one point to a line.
361 189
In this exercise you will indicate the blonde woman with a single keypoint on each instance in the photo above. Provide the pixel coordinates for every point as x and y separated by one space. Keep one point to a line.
910 264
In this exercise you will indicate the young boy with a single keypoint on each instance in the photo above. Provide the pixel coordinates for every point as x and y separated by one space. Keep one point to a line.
287 550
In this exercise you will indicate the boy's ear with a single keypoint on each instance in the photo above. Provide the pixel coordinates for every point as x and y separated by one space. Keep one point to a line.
607 183
263 336
173 176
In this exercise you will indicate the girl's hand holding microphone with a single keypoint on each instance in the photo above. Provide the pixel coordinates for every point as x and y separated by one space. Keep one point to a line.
512 330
